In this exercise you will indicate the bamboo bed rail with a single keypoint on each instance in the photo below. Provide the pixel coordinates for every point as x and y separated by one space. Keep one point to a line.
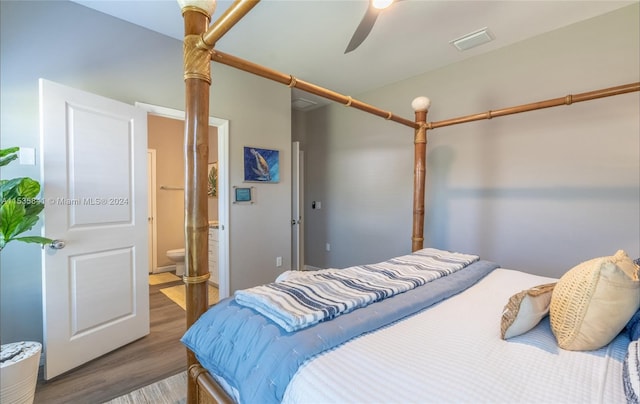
291 81
222 25
567 100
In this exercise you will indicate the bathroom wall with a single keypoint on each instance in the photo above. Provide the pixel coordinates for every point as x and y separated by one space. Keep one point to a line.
166 137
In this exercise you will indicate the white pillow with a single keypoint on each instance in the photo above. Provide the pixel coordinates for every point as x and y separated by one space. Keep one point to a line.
525 310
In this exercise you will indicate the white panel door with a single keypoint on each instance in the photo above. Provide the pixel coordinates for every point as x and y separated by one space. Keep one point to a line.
95 288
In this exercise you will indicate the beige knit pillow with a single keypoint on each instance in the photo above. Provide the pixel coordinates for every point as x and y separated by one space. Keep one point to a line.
593 301
525 309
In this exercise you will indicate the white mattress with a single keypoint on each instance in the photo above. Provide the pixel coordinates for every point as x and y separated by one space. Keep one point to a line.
452 353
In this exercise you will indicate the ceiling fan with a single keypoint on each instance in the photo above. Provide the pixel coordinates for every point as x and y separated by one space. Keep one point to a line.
369 19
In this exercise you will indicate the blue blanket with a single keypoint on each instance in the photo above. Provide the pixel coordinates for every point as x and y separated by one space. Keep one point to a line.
258 358
325 294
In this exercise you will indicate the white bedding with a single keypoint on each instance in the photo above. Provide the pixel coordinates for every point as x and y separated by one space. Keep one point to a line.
452 353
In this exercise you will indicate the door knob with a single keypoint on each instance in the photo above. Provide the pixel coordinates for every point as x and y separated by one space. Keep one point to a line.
57 244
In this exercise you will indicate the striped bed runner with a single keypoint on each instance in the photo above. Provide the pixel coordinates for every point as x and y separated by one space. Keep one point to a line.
298 303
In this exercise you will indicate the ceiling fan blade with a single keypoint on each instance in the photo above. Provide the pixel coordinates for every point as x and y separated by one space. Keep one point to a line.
364 28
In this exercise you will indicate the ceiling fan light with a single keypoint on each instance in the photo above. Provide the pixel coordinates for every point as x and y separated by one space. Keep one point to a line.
381 4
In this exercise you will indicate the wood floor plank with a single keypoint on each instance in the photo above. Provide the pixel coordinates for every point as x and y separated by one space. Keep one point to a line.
167 391
147 360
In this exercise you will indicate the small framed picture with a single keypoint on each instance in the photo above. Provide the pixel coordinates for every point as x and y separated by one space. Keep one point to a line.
243 195
212 189
261 165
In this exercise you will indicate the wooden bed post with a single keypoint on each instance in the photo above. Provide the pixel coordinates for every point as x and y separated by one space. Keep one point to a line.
420 105
197 79
199 40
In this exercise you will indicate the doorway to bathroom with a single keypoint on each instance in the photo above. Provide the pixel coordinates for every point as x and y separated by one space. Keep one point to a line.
166 139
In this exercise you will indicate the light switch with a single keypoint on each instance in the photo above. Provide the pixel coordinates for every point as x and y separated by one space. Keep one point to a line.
27 156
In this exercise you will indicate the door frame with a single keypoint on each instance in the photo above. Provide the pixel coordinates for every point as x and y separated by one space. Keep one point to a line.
223 186
151 174
297 207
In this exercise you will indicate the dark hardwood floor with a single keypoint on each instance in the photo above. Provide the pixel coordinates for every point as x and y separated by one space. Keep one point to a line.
147 360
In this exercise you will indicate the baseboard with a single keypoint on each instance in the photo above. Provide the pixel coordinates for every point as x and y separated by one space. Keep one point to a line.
310 268
166 268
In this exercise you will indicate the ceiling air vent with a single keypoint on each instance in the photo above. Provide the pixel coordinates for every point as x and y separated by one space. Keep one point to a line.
472 39
302 104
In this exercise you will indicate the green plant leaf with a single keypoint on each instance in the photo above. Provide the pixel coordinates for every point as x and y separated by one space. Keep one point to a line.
28 188
34 207
34 239
6 160
9 188
4 152
8 155
11 214
25 224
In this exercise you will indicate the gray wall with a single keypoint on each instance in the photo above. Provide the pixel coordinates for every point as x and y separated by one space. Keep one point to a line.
540 191
260 111
78 47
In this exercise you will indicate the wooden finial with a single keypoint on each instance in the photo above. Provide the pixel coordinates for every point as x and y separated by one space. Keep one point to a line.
421 104
204 6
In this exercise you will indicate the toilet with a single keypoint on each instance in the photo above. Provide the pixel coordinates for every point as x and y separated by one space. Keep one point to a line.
177 256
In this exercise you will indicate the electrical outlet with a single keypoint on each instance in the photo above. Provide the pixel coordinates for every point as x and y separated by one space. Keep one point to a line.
328 247
278 261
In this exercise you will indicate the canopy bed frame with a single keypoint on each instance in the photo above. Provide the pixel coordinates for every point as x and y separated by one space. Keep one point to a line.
199 42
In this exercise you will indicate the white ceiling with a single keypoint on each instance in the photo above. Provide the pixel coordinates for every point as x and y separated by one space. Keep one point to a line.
307 38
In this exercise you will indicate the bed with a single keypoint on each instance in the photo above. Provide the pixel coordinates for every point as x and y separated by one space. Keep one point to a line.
455 356
417 340
415 345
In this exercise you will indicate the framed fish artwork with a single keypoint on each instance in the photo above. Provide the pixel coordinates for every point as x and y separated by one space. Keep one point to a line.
261 165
